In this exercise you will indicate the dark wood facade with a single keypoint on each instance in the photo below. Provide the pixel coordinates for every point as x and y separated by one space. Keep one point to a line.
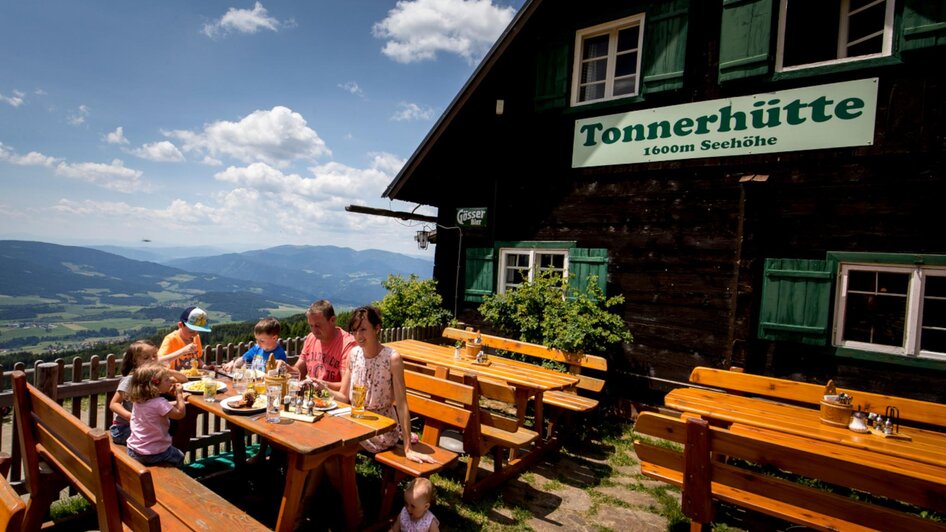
687 239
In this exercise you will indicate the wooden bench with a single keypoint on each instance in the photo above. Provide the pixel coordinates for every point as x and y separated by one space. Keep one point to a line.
443 401
734 381
569 400
12 507
704 478
60 450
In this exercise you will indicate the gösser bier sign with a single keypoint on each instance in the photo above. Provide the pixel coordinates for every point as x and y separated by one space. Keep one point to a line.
824 116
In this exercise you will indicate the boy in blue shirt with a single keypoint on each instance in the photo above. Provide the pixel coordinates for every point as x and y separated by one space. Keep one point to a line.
267 342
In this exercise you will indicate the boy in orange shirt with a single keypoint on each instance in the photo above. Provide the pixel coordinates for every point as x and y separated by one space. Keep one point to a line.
183 345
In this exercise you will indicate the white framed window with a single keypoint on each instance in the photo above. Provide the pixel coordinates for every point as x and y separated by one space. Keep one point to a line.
892 309
825 32
608 61
519 265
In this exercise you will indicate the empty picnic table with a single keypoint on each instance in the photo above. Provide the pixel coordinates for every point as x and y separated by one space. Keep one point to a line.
754 414
308 446
529 381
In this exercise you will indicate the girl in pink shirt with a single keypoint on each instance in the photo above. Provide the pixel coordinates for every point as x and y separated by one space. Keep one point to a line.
150 441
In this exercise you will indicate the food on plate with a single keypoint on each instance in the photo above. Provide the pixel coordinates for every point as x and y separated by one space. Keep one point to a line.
192 372
319 402
249 399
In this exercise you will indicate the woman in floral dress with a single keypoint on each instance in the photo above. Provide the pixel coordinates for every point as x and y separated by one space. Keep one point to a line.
381 370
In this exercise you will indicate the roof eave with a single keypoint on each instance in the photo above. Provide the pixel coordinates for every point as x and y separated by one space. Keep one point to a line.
461 98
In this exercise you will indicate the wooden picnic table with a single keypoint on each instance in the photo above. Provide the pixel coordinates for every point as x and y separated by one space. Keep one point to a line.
307 445
925 452
528 380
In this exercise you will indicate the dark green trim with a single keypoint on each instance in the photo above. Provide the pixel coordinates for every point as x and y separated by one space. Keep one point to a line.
899 360
797 274
849 66
804 329
888 258
544 244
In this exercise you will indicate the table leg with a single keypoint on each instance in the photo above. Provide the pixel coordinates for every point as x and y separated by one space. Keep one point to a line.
349 487
539 420
292 494
238 444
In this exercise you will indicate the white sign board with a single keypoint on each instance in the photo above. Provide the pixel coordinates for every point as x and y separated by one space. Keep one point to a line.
824 116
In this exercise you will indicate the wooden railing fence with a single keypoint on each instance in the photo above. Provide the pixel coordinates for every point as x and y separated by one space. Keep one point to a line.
85 387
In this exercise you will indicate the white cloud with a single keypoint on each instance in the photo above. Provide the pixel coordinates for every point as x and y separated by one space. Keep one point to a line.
275 137
243 21
114 176
32 158
16 100
78 118
163 152
412 111
116 137
352 87
416 30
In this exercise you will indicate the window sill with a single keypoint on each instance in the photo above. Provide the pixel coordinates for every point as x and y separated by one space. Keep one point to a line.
607 104
838 67
899 360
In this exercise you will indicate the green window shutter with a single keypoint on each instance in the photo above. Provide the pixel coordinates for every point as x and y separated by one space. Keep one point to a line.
551 77
584 262
796 300
924 24
745 39
479 276
665 45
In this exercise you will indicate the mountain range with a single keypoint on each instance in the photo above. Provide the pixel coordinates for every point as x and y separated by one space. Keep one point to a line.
239 285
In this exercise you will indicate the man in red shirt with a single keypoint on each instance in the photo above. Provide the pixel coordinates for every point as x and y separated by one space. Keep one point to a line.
326 348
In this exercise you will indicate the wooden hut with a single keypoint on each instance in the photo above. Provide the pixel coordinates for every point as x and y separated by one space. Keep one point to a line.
762 180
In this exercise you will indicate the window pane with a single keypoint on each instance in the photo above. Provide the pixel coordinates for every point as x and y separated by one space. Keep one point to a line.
628 38
860 281
626 64
624 86
551 262
864 23
592 71
811 31
876 317
933 331
595 47
591 92
892 283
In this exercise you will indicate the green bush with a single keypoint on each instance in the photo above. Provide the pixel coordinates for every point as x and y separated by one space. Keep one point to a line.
412 302
549 311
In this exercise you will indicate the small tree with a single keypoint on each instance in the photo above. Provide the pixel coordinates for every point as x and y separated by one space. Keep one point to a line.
548 311
412 302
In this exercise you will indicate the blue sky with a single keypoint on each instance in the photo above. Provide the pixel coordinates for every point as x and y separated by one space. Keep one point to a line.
232 124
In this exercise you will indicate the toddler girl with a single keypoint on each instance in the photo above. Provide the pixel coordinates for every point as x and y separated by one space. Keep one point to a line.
416 516
150 441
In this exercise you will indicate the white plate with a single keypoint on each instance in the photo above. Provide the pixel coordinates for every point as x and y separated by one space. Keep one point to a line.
198 387
225 403
330 406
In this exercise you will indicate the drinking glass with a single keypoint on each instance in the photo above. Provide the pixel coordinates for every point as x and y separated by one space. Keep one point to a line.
259 383
210 388
273 401
358 392
239 381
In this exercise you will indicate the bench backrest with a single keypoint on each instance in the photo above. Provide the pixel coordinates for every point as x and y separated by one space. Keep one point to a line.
486 388
444 403
83 456
703 477
802 392
12 507
575 361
